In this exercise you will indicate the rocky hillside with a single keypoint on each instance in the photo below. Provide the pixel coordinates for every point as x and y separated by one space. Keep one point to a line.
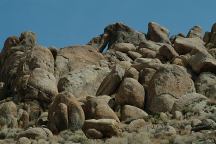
147 88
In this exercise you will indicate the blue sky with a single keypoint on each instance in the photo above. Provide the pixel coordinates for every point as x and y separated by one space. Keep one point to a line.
66 22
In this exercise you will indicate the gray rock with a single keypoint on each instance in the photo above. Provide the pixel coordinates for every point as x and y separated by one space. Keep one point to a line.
36 132
187 101
206 84
168 83
83 81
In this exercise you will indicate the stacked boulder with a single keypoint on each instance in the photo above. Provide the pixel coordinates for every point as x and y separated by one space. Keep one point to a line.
99 92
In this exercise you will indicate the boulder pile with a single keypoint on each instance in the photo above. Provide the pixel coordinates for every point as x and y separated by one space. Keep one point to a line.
145 88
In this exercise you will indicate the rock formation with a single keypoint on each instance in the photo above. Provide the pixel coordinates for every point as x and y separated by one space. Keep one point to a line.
145 88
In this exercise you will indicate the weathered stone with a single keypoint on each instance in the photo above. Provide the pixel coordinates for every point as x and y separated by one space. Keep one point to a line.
150 45
184 102
135 125
8 115
130 92
23 118
119 33
65 112
75 57
94 134
122 56
213 52
206 84
123 47
132 73
168 83
158 33
134 55
145 76
142 63
98 108
111 82
108 127
195 31
186 45
167 53
132 113
23 140
202 62
147 53
83 81
36 132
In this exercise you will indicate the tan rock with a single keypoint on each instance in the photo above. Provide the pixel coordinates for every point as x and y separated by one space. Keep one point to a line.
158 33
108 127
130 92
65 112
129 113
111 81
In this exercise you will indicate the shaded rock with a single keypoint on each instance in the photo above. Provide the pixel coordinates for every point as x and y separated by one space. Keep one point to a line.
94 134
161 103
23 140
111 82
118 33
165 131
206 124
213 52
42 86
186 45
178 115
202 62
147 53
142 63
195 31
149 45
28 38
83 81
158 33
134 55
129 113
36 132
122 56
65 112
130 92
23 118
167 53
206 84
185 102
168 83
123 47
43 119
207 37
108 127
135 125
145 76
132 73
98 108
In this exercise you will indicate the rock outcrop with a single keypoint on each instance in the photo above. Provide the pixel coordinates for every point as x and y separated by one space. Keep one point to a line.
145 88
